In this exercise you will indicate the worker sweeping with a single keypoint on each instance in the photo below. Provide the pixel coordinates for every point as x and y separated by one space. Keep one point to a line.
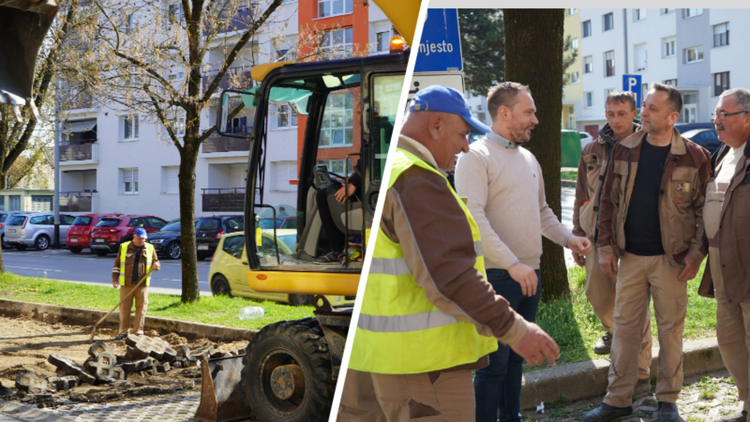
134 260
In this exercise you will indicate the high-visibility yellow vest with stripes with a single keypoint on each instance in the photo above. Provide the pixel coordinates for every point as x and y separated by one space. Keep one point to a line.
123 256
401 332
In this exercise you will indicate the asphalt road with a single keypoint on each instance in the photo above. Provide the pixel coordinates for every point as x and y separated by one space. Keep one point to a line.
88 267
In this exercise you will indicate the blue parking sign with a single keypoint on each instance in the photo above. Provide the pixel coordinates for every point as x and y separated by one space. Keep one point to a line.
633 84
440 47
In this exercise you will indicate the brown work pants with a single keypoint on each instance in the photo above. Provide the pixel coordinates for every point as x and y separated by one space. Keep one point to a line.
600 291
732 331
140 296
429 397
639 278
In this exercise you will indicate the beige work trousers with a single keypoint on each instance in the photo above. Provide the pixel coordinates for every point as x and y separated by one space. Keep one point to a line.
732 331
601 291
140 296
637 276
429 397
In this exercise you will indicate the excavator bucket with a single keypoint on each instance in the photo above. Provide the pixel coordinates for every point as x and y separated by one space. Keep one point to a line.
23 26
222 391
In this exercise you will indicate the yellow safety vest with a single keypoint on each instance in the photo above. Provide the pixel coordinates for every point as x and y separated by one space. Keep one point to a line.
123 255
401 332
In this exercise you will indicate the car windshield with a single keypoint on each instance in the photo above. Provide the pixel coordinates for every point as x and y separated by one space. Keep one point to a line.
82 221
172 227
17 220
108 222
290 240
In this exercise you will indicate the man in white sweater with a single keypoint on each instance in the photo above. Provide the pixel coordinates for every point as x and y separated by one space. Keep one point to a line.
505 190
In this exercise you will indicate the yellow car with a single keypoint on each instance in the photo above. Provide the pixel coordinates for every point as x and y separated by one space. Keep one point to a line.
227 274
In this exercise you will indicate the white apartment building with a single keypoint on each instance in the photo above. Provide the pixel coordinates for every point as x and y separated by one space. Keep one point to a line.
114 160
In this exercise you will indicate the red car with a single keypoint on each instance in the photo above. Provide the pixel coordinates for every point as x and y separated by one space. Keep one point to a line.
111 231
79 234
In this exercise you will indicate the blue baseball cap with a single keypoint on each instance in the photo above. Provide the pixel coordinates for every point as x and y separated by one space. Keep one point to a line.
140 233
447 100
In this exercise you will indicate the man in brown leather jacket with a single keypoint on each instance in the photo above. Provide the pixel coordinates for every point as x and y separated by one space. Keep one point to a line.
651 216
726 213
621 112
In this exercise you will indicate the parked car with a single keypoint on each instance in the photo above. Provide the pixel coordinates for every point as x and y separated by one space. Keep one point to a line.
707 138
4 220
111 231
79 234
166 240
35 229
208 231
684 127
227 273
586 139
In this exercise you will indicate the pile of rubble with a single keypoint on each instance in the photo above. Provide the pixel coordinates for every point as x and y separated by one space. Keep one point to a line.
148 359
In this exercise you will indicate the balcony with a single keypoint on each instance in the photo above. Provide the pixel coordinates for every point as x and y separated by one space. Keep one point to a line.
215 144
238 76
78 201
223 199
75 153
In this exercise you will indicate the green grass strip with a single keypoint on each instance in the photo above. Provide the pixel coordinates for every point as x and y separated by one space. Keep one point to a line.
569 175
217 310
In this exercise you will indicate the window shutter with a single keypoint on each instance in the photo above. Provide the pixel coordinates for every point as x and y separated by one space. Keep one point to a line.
173 181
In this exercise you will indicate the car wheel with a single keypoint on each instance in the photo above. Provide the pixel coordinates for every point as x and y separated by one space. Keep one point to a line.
174 251
302 300
22 247
101 252
220 286
42 242
6 245
75 249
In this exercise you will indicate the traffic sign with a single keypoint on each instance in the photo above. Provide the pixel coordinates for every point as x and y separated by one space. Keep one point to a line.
632 83
440 48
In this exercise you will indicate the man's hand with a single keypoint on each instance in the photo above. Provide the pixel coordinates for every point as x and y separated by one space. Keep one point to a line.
525 276
340 193
579 245
156 266
691 269
115 283
536 345
579 259
608 263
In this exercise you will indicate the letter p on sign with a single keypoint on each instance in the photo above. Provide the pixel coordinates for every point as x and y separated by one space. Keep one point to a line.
632 83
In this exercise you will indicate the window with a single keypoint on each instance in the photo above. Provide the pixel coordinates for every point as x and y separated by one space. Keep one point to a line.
694 54
665 11
130 127
575 78
689 13
41 202
334 7
609 63
609 22
339 42
170 182
670 82
334 166
721 83
128 28
284 175
384 41
588 64
589 97
137 222
586 29
574 44
286 117
639 14
233 246
15 203
644 89
281 54
721 34
641 57
177 125
668 47
174 13
177 76
338 121
572 11
129 181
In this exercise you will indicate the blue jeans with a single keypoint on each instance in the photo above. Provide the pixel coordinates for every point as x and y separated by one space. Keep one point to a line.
498 386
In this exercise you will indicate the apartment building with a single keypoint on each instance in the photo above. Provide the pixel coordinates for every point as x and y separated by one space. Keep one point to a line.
115 160
573 90
688 48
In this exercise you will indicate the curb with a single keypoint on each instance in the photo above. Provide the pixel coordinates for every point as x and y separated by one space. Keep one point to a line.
89 317
568 183
589 379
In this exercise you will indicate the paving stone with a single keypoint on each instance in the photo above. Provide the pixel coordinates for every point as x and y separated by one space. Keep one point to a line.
137 366
66 366
32 383
64 383
104 367
99 347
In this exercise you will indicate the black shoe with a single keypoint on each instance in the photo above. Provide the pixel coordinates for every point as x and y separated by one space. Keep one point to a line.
735 417
328 258
605 413
604 344
668 412
121 336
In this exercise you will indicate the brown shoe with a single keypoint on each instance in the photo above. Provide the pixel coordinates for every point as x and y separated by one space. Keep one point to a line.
604 344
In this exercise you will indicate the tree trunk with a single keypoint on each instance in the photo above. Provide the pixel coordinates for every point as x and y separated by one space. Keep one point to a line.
534 57
188 159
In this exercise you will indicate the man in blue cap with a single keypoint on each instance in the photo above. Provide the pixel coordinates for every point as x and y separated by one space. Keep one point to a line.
134 260
428 316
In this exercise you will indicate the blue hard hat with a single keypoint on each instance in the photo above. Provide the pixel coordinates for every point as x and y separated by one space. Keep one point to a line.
140 233
447 100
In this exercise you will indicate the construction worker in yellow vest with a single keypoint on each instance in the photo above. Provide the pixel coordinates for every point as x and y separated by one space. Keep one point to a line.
134 259
428 315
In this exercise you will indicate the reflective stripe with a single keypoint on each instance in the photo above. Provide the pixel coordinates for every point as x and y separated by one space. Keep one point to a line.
405 323
389 266
478 247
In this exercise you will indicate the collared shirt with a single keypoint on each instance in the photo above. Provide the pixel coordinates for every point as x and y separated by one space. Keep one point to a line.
494 137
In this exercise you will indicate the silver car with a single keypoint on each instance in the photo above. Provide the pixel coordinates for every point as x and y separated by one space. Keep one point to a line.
35 229
5 217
